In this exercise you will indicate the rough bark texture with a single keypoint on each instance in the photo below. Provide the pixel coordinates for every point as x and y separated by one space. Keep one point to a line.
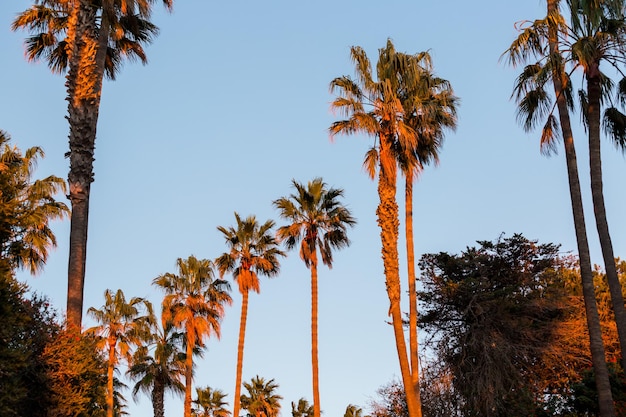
410 253
314 355
388 222
158 398
242 336
84 86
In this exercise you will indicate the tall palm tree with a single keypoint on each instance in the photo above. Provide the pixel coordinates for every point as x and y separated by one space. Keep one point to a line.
87 39
317 221
159 365
429 106
211 403
253 251
194 302
262 400
302 409
374 106
599 29
28 207
121 326
546 39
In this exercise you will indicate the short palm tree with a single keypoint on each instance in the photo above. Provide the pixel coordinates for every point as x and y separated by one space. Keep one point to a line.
253 251
121 327
28 207
261 400
88 40
211 403
353 411
194 302
158 365
375 106
317 221
302 409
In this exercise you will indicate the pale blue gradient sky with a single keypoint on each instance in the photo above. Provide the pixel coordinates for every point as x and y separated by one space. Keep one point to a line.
234 104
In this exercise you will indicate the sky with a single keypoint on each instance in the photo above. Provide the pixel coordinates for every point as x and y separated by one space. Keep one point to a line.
234 104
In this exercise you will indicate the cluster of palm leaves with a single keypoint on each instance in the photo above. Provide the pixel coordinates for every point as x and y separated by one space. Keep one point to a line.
579 39
195 300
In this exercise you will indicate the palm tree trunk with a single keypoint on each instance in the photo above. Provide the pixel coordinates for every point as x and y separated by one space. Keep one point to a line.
110 370
242 336
387 213
82 120
188 373
596 344
314 349
84 87
158 398
602 225
593 113
410 253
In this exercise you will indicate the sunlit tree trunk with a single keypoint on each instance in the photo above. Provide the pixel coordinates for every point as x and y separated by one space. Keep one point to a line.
387 213
84 87
410 253
314 334
240 346
188 371
110 371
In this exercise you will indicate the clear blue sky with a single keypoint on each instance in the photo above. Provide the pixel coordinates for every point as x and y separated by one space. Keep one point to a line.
233 104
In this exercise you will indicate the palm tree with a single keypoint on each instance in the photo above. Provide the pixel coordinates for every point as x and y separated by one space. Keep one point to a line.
211 403
194 302
261 401
88 40
253 251
121 326
429 107
28 207
159 365
353 411
546 39
303 409
317 221
599 29
375 107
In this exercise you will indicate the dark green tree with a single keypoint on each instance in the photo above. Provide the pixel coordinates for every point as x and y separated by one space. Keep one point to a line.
494 313
28 326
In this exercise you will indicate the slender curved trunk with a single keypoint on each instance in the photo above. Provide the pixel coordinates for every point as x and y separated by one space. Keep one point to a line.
84 88
242 336
410 253
599 209
188 373
314 356
387 213
158 398
596 344
110 370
